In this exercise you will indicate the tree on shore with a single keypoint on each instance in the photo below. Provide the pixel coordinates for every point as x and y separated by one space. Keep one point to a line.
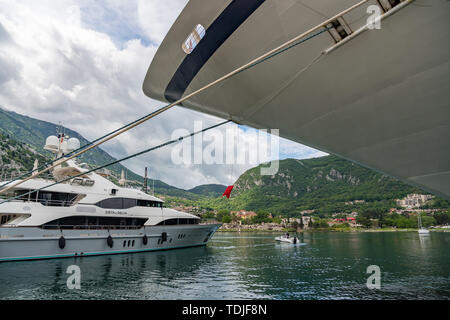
234 218
261 217
321 224
442 218
226 219
364 221
221 214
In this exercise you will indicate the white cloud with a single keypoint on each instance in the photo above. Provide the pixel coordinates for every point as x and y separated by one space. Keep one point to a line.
156 16
83 63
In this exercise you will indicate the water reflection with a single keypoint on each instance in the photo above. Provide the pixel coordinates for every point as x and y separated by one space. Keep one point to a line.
249 266
424 240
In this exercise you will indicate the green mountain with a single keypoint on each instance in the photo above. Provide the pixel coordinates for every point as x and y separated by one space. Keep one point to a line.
327 184
16 157
34 132
209 190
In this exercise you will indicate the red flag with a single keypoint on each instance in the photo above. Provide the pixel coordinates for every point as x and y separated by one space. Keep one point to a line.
227 192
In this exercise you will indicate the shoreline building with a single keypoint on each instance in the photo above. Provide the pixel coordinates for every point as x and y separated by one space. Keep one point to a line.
414 200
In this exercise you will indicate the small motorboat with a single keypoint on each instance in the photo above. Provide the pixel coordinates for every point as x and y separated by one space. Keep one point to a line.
287 238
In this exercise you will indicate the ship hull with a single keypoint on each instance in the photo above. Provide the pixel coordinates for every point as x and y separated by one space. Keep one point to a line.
33 243
380 99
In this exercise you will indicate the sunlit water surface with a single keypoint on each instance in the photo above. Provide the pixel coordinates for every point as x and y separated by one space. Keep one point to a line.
250 266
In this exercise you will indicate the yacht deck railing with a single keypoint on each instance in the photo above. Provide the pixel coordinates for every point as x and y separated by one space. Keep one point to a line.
44 202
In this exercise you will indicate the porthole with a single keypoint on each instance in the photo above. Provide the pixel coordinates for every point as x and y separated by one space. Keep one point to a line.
129 242
124 243
193 39
132 243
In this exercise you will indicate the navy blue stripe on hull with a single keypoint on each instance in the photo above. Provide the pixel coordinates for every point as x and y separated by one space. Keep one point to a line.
218 32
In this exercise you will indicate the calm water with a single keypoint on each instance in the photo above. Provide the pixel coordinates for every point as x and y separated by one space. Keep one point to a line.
250 266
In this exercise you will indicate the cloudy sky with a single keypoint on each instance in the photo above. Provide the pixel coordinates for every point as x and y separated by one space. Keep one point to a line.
83 63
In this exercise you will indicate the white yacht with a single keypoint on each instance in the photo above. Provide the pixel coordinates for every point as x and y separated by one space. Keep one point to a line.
378 97
89 215
421 229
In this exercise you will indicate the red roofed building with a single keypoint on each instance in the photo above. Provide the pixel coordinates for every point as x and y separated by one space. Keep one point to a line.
245 214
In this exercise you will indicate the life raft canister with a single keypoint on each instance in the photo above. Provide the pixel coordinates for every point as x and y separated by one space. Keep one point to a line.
145 239
110 241
62 242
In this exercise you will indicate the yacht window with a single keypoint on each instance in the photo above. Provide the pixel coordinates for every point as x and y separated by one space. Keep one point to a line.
47 198
22 195
113 203
128 203
168 222
149 203
81 222
92 221
68 221
193 39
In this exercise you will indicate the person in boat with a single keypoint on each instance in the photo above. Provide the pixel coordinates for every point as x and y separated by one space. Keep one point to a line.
287 234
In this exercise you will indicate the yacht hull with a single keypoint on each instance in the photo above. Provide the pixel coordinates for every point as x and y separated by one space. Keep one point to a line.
33 243
380 99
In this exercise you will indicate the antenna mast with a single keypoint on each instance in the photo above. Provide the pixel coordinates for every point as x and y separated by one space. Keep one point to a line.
145 179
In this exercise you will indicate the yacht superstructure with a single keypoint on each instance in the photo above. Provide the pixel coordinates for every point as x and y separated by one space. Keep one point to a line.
89 215
376 96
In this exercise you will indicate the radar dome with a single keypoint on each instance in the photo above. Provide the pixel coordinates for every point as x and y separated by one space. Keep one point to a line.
52 143
73 144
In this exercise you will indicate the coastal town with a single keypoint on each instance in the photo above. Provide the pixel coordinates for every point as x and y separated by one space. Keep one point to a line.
402 217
